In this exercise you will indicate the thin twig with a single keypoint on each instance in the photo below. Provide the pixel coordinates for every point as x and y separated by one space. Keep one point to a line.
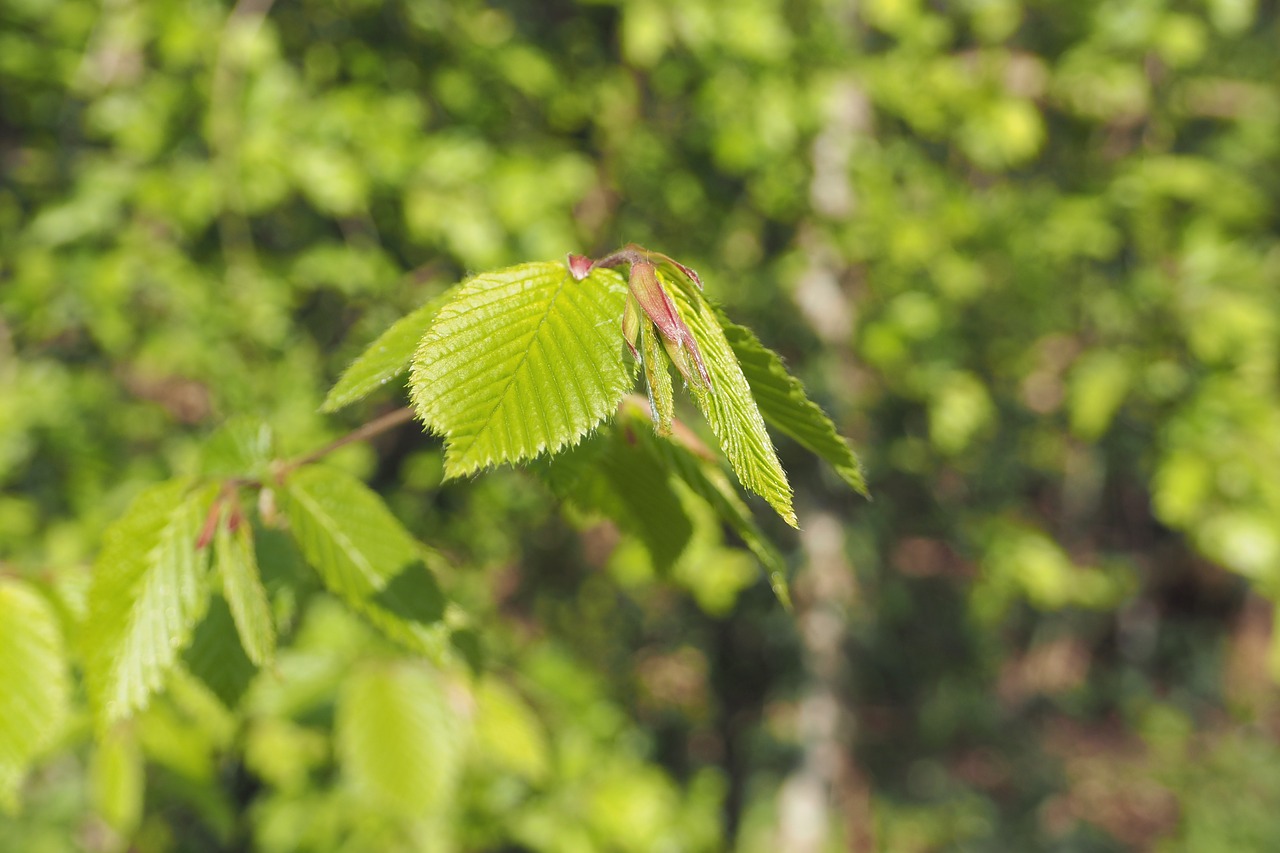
374 427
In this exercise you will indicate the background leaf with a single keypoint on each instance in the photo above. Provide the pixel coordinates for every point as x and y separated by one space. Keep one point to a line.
147 595
35 689
237 565
399 744
521 361
387 357
730 408
119 780
787 408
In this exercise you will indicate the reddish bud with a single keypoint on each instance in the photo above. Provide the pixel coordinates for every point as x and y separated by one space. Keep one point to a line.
657 305
579 266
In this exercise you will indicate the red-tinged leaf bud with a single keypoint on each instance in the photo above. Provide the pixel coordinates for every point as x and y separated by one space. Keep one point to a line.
579 266
687 272
659 307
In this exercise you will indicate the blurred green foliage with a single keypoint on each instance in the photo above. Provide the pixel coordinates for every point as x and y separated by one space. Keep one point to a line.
1026 253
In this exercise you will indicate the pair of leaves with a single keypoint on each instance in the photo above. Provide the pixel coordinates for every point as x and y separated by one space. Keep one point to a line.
150 590
528 359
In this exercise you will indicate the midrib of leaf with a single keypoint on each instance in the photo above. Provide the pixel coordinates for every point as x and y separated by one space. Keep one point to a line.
506 389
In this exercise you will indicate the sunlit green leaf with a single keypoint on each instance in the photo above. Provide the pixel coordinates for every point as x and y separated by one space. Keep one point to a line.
786 407
399 743
148 593
34 685
521 361
385 358
730 408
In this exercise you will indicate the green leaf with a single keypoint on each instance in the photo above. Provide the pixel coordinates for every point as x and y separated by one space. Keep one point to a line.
521 361
385 358
36 689
626 480
242 447
657 379
147 595
345 531
729 406
786 407
119 781
708 481
237 565
365 555
399 744
217 656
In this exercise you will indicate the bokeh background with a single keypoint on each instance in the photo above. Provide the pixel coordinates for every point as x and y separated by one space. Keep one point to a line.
1026 252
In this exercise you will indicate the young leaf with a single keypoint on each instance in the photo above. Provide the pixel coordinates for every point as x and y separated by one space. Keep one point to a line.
786 407
36 690
730 408
709 482
345 531
385 358
398 741
147 595
657 380
521 361
237 566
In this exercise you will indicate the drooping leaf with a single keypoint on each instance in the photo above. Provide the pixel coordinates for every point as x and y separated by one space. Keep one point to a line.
623 479
385 358
147 595
657 380
399 743
785 406
217 656
237 566
521 361
34 687
345 531
730 408
708 481
364 554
